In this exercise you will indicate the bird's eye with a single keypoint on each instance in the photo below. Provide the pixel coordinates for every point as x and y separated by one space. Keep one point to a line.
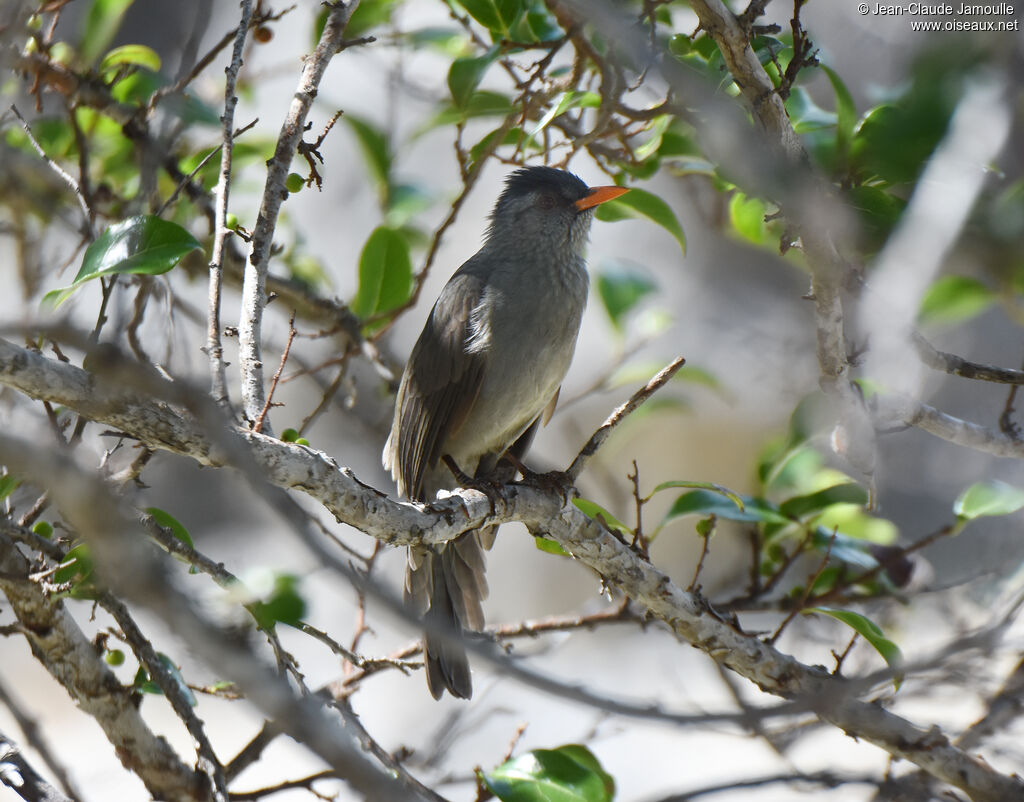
547 201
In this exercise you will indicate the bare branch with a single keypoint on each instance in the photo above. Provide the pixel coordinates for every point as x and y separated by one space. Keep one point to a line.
598 438
288 465
254 295
214 350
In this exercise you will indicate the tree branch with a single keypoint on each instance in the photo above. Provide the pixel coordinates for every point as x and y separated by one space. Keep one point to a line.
214 350
291 466
254 295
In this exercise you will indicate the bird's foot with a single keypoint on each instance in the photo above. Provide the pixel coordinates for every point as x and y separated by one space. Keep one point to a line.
551 482
488 487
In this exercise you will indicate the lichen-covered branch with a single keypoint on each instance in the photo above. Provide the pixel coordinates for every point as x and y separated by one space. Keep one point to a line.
163 426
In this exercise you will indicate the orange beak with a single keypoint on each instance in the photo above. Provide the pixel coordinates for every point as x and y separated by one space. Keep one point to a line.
599 195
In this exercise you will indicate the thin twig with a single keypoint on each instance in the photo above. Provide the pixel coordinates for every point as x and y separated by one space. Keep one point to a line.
277 375
598 438
214 349
254 294
65 176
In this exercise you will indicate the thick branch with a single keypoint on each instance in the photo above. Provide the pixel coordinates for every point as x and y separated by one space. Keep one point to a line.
291 466
65 651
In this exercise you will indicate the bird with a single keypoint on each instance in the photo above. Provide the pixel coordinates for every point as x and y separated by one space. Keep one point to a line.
484 374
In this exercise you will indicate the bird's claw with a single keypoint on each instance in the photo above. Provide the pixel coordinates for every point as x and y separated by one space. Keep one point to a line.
485 485
552 481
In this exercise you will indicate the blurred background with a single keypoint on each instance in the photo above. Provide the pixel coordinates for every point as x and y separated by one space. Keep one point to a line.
733 307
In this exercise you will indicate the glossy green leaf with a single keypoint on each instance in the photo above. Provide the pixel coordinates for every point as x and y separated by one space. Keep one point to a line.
620 290
465 75
706 502
385 273
846 549
168 521
868 630
594 510
991 497
373 142
498 16
369 14
954 299
550 546
101 26
145 684
640 202
143 244
133 56
77 566
809 505
805 114
713 487
567 774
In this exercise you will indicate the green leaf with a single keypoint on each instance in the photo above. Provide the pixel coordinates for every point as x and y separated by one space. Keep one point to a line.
621 289
567 774
284 603
954 299
486 145
143 244
550 546
498 16
747 217
732 506
481 104
385 273
369 14
713 487
77 566
8 484
168 521
868 630
639 202
131 55
43 529
374 144
807 506
879 211
594 510
568 100
101 26
806 115
988 498
465 75
144 684
846 111
656 131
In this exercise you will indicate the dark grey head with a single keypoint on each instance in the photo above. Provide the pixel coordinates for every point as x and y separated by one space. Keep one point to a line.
542 208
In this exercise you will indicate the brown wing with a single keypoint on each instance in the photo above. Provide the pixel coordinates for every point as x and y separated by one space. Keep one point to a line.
440 384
